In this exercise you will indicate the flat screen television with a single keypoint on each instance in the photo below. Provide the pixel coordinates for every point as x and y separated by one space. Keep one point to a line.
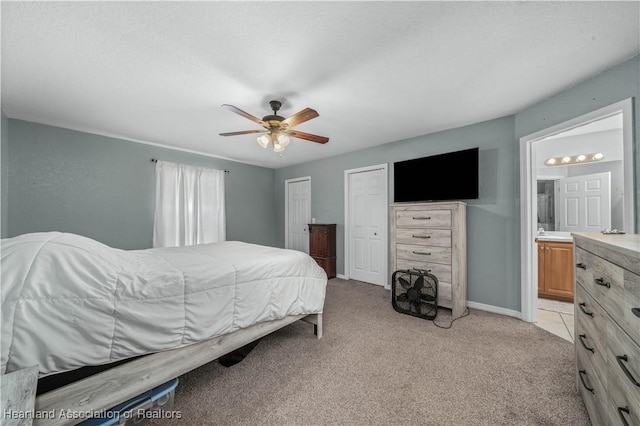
443 177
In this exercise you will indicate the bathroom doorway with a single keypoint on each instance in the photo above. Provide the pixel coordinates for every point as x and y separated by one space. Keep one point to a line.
533 155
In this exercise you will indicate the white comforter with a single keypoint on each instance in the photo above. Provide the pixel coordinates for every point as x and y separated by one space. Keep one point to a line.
69 301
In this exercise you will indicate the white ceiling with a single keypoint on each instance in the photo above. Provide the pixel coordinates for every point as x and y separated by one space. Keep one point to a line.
376 72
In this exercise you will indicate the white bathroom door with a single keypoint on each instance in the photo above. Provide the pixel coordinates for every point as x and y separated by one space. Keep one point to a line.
367 200
298 214
584 203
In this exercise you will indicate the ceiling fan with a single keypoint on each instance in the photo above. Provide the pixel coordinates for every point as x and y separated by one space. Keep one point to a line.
277 129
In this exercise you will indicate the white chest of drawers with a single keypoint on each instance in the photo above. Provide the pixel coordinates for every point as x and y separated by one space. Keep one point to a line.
607 326
433 236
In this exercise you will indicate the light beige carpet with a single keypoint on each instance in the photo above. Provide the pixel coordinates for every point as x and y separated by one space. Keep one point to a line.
375 366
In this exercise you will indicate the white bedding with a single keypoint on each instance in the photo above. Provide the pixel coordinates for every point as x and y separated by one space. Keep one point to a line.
70 301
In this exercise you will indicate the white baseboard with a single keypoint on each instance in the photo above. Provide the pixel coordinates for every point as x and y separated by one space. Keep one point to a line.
494 309
475 305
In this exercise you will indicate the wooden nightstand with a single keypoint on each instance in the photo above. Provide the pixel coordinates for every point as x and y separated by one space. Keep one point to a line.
322 246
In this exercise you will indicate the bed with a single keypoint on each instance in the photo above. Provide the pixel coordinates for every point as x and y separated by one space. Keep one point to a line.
69 302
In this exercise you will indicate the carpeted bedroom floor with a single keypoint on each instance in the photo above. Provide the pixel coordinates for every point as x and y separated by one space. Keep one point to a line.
375 366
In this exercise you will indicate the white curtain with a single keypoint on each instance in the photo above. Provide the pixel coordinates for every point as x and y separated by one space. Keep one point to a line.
189 205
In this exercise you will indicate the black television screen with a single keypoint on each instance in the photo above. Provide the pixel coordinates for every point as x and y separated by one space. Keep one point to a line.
442 177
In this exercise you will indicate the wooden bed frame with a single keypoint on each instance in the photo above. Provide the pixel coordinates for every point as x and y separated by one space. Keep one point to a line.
109 388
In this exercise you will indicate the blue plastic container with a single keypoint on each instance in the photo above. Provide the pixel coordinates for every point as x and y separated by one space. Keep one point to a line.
140 409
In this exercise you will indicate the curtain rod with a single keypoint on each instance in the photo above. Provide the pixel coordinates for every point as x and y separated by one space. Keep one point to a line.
154 160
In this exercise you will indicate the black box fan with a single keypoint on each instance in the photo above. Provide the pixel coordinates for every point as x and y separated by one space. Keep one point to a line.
415 292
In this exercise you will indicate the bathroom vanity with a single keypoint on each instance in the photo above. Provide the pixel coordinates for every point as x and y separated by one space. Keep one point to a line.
555 266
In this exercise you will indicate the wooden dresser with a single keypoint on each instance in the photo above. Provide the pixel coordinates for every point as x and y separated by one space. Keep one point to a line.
322 246
607 326
433 236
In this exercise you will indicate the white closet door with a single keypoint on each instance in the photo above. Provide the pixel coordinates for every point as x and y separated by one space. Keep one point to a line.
367 212
298 214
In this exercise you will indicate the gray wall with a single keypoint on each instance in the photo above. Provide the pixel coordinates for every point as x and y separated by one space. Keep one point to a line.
4 174
492 222
104 188
611 86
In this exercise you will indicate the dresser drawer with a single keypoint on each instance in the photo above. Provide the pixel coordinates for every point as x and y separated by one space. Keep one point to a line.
623 366
620 408
423 218
441 271
601 278
590 332
592 318
617 289
592 389
588 348
625 307
431 254
424 236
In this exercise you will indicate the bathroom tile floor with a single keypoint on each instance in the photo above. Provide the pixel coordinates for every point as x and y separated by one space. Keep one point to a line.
556 317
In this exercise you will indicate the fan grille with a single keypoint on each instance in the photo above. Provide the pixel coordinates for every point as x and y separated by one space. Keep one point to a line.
415 292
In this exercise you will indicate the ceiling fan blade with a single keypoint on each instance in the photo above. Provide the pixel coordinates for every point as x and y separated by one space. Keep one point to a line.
300 117
307 136
243 113
242 132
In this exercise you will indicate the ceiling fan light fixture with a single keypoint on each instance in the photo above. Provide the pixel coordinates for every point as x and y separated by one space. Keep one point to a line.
263 140
283 140
277 128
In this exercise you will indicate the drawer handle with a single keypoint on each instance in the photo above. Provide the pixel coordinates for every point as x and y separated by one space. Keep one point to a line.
422 236
621 411
584 336
602 282
636 312
582 308
583 383
421 218
581 266
419 252
624 358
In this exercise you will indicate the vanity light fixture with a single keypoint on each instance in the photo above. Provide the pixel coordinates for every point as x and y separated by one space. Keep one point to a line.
574 159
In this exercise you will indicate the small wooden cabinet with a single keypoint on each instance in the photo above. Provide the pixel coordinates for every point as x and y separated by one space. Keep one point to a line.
322 246
555 270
